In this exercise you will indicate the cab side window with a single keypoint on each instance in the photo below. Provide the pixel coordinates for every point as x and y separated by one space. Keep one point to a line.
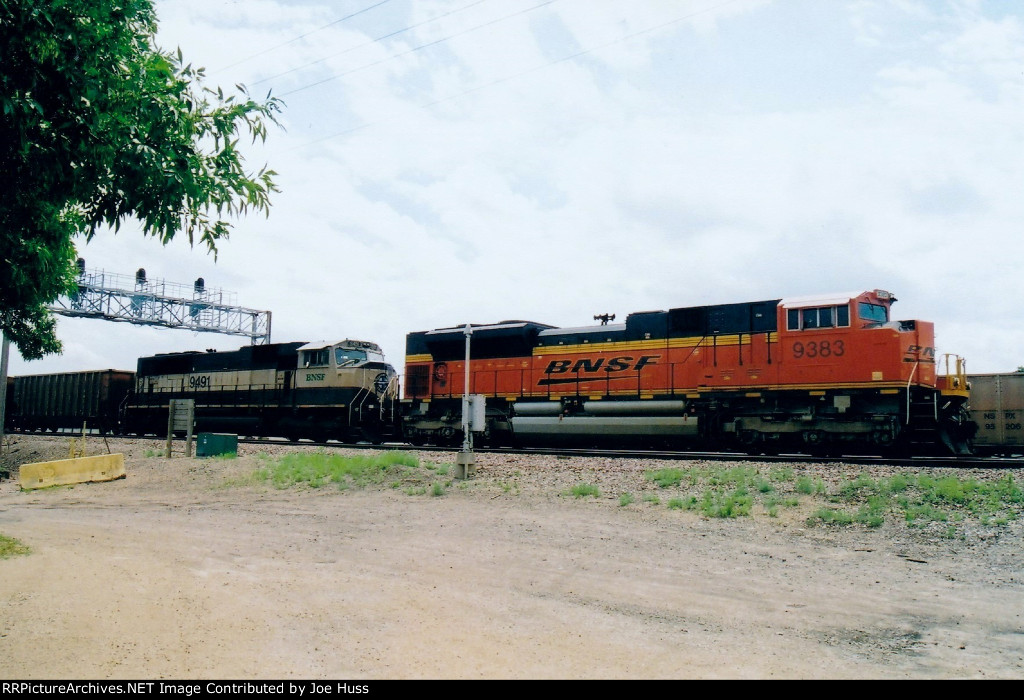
818 317
315 358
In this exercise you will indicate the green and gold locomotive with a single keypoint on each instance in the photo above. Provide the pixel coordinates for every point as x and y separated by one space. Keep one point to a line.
320 391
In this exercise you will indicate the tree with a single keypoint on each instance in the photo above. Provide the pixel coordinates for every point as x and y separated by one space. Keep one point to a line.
97 124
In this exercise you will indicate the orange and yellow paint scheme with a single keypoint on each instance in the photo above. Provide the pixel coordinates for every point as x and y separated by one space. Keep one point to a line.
822 371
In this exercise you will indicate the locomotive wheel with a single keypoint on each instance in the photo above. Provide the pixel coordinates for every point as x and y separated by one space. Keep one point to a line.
372 436
449 437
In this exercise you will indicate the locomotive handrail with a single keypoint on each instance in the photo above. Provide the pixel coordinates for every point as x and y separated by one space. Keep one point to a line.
910 380
363 393
959 373
392 383
210 389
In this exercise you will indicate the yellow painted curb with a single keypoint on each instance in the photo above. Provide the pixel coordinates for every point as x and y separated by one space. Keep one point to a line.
40 475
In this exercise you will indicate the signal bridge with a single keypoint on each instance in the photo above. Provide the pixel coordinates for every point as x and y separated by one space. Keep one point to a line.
156 302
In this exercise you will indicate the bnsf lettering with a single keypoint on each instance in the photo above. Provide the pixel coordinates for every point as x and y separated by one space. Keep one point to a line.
646 360
315 376
587 365
618 364
924 351
615 364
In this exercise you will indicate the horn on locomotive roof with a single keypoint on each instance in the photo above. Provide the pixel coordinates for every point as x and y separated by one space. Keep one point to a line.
604 318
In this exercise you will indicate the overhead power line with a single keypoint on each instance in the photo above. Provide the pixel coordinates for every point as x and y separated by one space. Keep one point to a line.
302 36
419 48
508 78
372 41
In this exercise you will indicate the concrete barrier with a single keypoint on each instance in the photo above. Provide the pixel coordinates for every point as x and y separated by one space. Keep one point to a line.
40 475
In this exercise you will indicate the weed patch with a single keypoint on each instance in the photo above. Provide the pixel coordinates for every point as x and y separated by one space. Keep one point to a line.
316 469
10 547
830 516
667 478
731 504
583 490
718 491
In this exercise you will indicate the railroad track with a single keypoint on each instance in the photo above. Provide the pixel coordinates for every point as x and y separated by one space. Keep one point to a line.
968 462
958 462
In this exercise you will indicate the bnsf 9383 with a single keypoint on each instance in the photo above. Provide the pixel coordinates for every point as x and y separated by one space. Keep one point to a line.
820 374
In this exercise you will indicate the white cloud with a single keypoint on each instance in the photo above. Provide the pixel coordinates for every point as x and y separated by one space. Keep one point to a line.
742 151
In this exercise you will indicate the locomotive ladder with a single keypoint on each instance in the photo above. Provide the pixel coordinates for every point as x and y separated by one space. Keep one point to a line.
923 427
364 395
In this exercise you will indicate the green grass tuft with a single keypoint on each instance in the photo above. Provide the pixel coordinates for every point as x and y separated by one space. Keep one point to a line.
731 504
316 469
676 504
830 516
808 486
10 547
581 490
666 478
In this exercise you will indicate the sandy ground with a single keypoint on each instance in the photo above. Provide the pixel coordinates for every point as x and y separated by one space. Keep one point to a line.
187 570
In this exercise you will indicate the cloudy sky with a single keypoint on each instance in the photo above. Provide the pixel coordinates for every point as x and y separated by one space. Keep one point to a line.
454 161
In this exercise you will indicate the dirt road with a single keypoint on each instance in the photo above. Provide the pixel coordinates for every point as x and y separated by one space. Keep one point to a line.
186 569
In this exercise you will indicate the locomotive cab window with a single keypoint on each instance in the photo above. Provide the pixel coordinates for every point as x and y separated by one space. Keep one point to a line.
347 358
818 317
316 358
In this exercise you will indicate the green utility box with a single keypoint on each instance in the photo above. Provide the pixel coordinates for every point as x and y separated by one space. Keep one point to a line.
215 444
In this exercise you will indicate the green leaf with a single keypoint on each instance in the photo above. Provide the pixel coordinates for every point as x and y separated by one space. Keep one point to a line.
102 125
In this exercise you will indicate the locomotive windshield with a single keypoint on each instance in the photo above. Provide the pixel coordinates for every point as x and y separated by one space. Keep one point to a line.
344 357
873 312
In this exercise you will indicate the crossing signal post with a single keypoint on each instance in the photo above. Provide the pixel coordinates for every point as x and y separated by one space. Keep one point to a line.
465 462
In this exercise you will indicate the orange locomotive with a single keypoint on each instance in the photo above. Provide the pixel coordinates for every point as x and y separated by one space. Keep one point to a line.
820 374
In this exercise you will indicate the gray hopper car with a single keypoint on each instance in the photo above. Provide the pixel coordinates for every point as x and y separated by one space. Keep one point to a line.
997 407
